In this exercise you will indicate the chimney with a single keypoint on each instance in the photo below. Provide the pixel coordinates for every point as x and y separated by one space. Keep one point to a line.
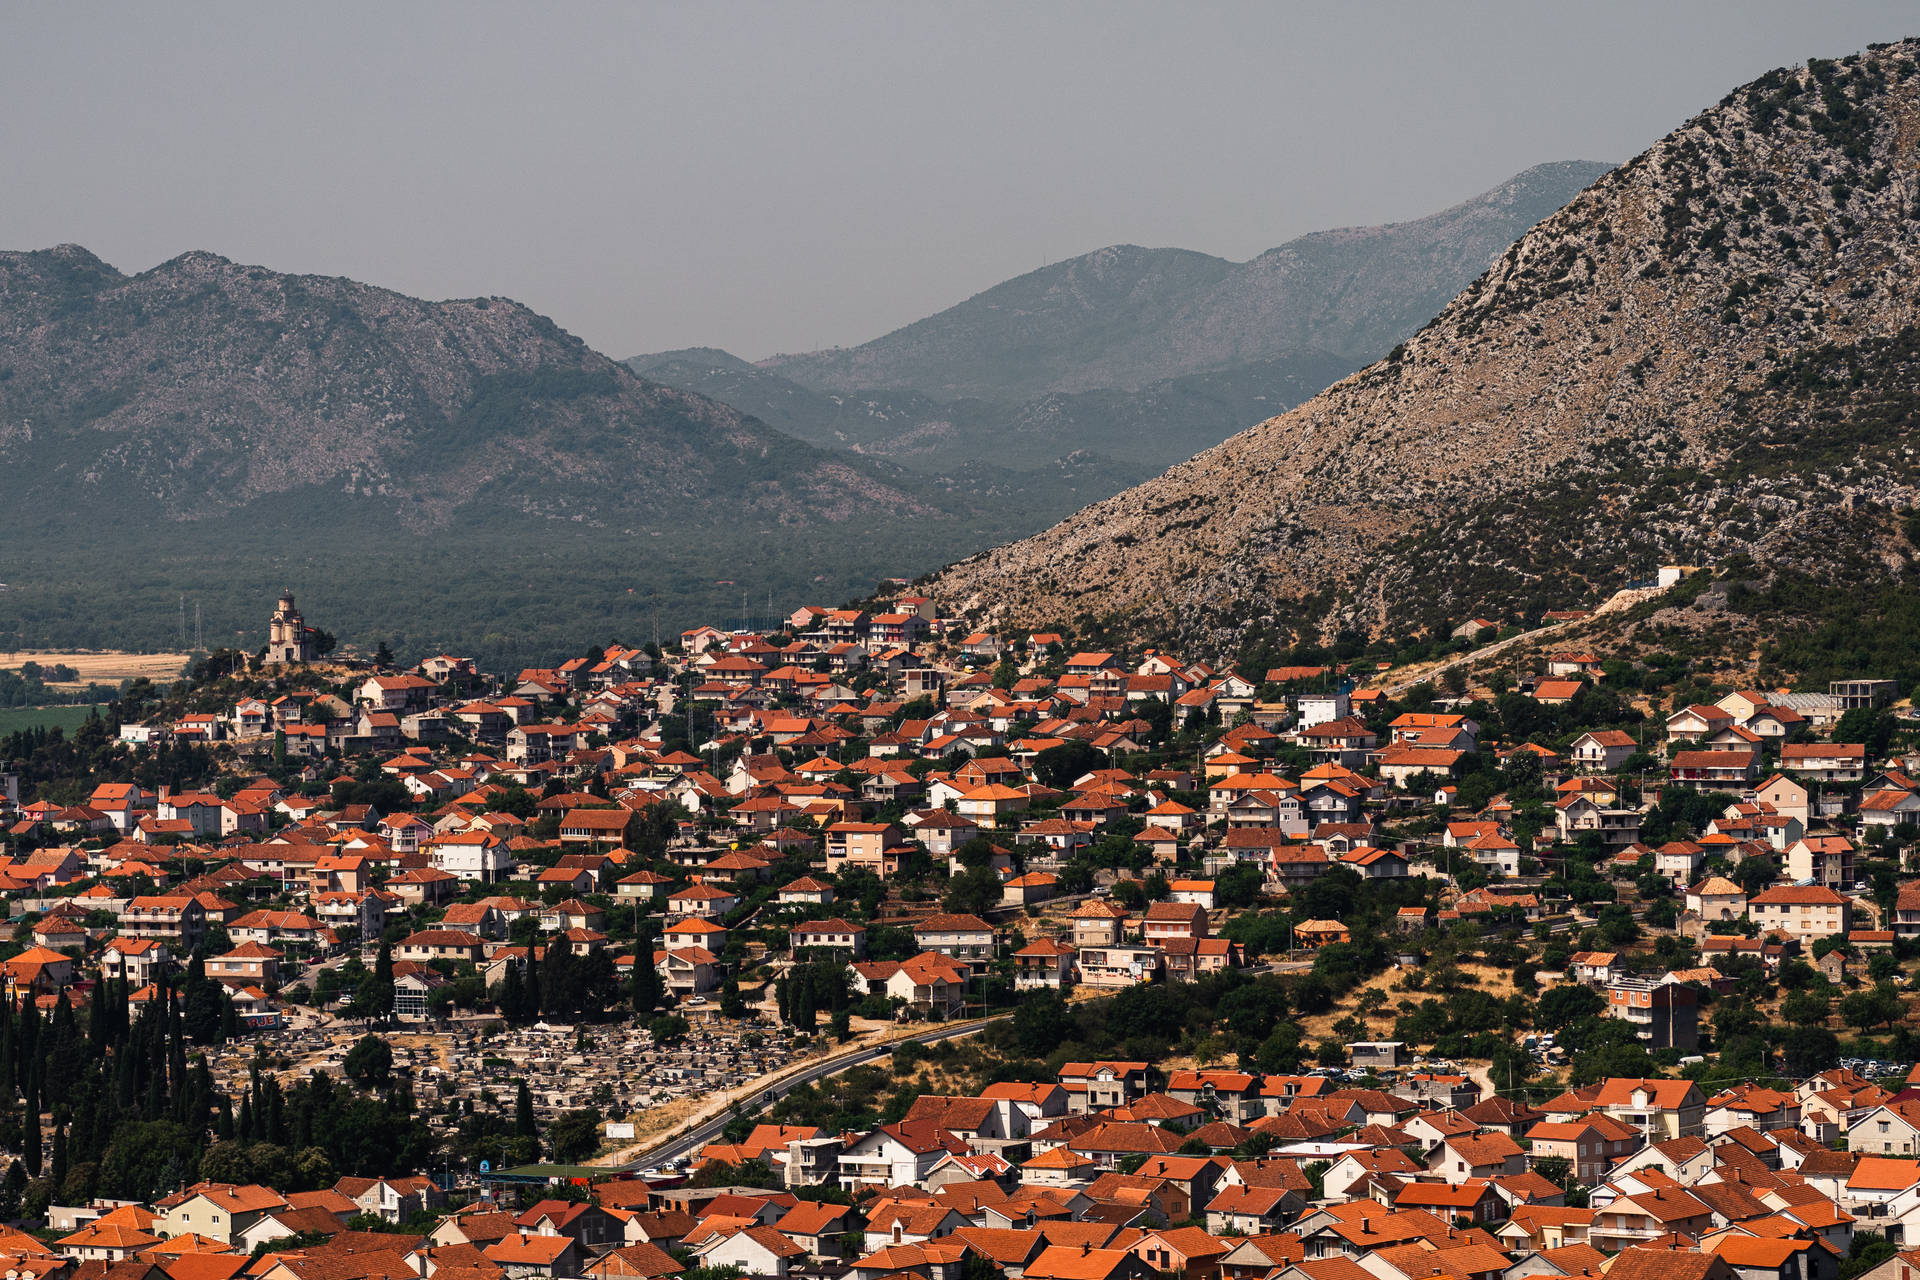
1086 1247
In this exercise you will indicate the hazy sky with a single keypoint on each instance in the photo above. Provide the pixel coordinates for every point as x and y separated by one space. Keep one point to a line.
779 177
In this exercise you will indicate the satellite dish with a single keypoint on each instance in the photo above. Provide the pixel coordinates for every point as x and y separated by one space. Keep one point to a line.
486 1166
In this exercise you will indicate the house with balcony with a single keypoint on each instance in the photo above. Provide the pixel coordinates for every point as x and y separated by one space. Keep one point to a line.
962 937
1802 913
1590 1145
1825 761
1697 723
1664 1015
1121 965
1648 1215
1714 770
249 964
877 846
1044 963
176 919
1575 815
1602 750
1821 860
929 982
137 960
1661 1109
835 936
1167 920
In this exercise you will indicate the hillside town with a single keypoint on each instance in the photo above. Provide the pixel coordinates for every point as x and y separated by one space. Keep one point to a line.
979 954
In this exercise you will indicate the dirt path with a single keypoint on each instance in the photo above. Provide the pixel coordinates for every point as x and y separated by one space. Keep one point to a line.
1419 672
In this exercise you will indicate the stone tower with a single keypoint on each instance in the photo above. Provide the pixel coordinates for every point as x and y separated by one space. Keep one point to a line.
288 639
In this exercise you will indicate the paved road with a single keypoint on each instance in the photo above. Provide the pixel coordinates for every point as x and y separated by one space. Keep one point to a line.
691 1141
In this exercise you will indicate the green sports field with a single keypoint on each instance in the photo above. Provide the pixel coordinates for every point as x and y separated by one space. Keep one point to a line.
13 719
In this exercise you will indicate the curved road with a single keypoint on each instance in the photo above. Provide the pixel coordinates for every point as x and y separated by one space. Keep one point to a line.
689 1142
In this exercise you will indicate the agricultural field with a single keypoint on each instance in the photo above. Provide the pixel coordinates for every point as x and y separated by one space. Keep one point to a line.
108 667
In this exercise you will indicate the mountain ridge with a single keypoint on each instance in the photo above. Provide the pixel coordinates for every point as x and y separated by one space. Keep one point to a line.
202 385
1186 312
1358 288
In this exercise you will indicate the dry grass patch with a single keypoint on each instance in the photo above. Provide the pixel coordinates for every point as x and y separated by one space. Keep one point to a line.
103 668
1496 982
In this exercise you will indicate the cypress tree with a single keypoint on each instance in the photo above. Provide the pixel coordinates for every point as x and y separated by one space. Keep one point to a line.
124 1084
531 1007
157 1033
27 1048
512 995
97 1028
523 1123
123 1014
84 1116
647 994
7 1038
30 1139
59 1170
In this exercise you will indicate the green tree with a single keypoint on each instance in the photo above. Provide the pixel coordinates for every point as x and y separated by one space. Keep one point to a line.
1806 1051
576 1134
1555 1169
1807 1007
1876 1006
1868 1250
1617 925
1039 1022
973 892
1563 1005
1870 726
370 1062
1057 767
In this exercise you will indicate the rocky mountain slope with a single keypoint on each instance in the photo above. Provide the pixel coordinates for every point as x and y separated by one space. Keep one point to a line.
204 388
1711 355
1125 317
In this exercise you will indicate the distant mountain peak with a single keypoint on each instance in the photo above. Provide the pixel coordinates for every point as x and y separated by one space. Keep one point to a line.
1126 316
